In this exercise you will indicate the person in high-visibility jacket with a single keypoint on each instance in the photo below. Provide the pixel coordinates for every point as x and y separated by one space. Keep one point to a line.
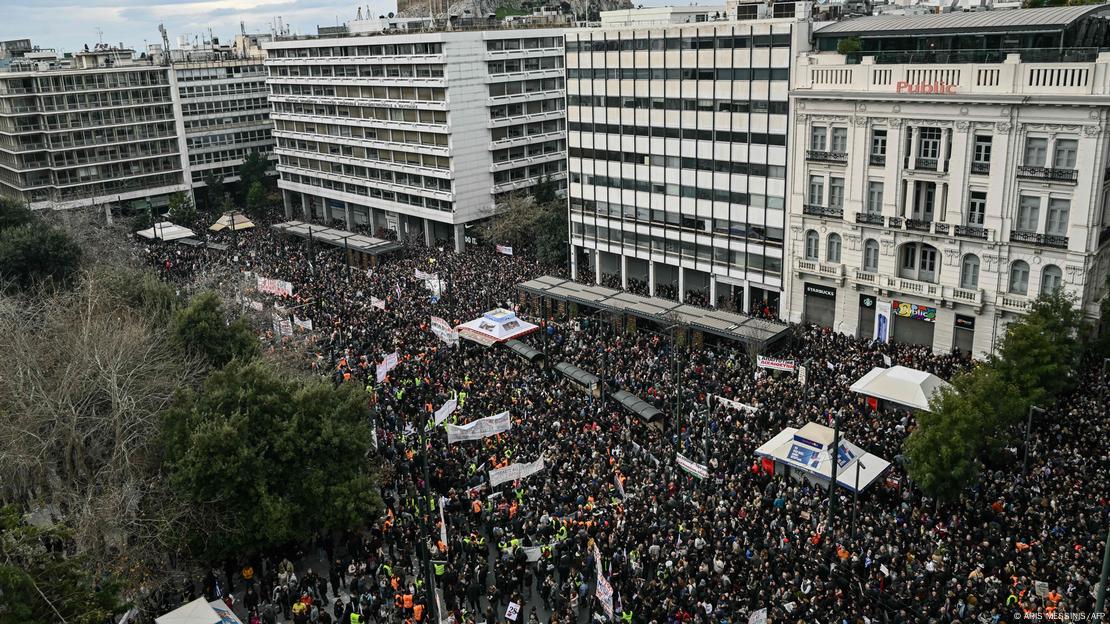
418 612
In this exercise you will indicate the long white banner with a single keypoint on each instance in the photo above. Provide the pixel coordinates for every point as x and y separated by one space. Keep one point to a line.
387 365
778 364
736 405
691 466
603 590
275 286
481 428
446 410
377 303
443 330
512 472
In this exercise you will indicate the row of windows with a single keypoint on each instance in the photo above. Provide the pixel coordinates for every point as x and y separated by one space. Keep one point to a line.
662 132
533 149
680 43
420 70
524 43
225 155
685 104
515 109
104 99
726 227
678 190
111 117
645 242
229 138
371 174
688 73
124 151
412 137
682 162
132 182
516 87
366 92
372 192
220 173
118 134
220 73
527 64
241 118
522 130
97 81
530 172
368 153
234 88
405 115
389 49
95 173
223 106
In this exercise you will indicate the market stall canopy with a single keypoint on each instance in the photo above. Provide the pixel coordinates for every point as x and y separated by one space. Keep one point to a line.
637 406
497 325
233 221
200 611
524 351
166 231
901 385
809 449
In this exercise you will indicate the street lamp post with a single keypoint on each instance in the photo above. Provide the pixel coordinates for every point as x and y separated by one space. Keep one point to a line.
1028 427
855 499
835 453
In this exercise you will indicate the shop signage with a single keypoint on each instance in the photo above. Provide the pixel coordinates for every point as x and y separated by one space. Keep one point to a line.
867 301
938 88
906 309
817 290
965 322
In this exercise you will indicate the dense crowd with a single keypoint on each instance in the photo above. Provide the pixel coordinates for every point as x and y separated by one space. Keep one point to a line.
674 548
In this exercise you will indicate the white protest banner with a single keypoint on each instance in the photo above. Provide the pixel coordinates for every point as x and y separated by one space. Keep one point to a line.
446 410
512 472
778 364
276 321
442 522
1041 588
387 365
286 327
620 485
758 617
256 305
443 330
305 324
377 303
481 428
274 286
691 467
887 361
533 553
736 405
421 275
604 590
803 374
435 286
505 249
883 569
512 611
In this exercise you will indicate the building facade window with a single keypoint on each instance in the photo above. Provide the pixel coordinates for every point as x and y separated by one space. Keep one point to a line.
977 208
874 198
1064 155
836 192
928 145
816 190
878 146
871 256
1052 278
982 152
812 244
1028 215
1036 149
817 138
1056 222
918 261
969 272
832 248
1019 278
839 140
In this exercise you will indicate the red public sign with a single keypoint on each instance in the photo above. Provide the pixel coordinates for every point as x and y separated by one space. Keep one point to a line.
940 88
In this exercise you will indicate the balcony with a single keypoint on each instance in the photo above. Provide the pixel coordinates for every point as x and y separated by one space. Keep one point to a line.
829 157
927 164
1014 303
823 211
869 218
918 225
970 231
1047 173
969 296
878 160
832 270
941 228
1043 240
894 223
982 168
864 277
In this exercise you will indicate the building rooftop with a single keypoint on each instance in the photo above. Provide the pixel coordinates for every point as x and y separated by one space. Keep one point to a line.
1019 20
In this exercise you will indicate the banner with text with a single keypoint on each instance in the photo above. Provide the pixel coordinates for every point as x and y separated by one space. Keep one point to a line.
275 286
443 330
305 324
377 303
387 365
481 428
691 466
446 410
505 249
512 472
736 405
778 364
604 590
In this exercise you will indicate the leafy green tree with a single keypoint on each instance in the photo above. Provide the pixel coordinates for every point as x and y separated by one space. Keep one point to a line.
848 45
544 192
14 214
139 290
39 583
551 232
202 329
253 170
213 191
181 209
275 459
35 253
256 200
1039 353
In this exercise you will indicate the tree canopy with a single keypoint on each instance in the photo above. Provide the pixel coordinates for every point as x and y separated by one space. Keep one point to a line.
202 329
34 254
532 224
272 459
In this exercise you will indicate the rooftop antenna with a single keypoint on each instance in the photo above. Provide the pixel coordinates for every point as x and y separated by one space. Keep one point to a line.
242 28
165 44
99 35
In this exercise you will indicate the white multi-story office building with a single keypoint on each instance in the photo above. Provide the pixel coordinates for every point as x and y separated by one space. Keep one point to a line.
678 151
94 129
937 192
417 133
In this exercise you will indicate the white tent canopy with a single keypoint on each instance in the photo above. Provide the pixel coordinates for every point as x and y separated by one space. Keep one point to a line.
200 611
809 449
901 385
166 231
233 221
497 325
